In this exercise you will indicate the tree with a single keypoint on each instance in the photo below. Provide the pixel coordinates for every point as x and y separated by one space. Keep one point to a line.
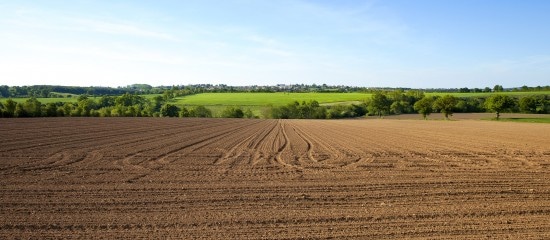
169 110
498 103
424 106
498 88
4 91
86 105
445 105
157 102
51 110
528 104
9 108
184 112
106 101
33 107
200 112
248 113
379 104
20 111
232 112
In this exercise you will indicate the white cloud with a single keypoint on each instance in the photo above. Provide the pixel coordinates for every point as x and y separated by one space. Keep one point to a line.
117 28
37 19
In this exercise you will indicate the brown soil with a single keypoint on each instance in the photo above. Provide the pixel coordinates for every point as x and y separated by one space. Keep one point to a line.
464 116
273 179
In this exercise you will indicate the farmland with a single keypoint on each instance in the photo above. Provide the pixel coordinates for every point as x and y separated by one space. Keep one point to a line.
263 99
273 179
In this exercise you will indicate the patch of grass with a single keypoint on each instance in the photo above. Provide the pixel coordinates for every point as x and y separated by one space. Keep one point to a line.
263 99
43 100
527 120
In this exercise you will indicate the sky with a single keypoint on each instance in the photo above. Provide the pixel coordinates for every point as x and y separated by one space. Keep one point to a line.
369 43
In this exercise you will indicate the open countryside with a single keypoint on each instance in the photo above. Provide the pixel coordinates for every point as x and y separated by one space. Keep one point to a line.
296 101
291 119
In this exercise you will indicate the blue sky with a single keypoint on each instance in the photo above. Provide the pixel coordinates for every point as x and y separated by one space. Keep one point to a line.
386 43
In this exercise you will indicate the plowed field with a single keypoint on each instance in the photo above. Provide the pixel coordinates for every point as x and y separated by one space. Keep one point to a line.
273 179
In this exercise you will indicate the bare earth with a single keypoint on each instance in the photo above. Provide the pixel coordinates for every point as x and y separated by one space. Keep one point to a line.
273 179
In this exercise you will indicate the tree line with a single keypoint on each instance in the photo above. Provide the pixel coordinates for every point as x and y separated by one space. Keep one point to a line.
49 91
380 104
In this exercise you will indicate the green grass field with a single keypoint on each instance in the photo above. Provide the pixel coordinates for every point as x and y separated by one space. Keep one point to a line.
263 99
255 100
43 100
526 120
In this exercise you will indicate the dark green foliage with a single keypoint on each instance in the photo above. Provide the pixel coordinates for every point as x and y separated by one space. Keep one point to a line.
85 105
445 105
4 91
32 108
499 103
169 110
20 111
9 108
248 113
51 110
535 104
200 112
346 111
232 112
424 106
2 109
157 103
184 112
379 104
106 101
130 100
296 110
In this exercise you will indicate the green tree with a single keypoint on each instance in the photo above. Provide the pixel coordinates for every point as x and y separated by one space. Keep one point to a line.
528 104
9 108
157 103
33 107
184 112
20 111
106 101
445 105
498 103
200 112
398 107
51 110
2 110
379 104
248 113
130 100
4 91
86 105
232 112
169 110
424 106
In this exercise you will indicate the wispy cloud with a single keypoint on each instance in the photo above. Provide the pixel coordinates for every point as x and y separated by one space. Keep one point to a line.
118 29
39 19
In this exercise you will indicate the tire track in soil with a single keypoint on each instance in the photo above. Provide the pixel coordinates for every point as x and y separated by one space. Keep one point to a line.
248 145
168 141
284 148
194 146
